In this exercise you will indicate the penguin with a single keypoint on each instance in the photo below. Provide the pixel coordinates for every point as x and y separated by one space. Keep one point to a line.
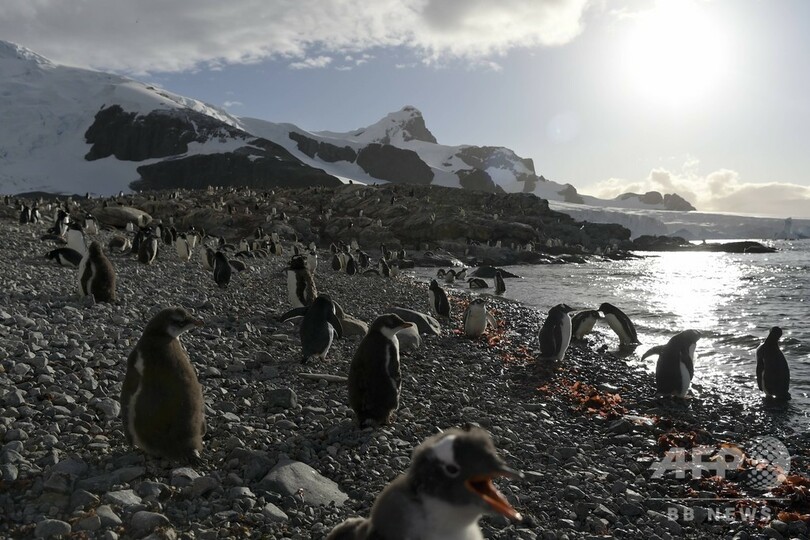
301 290
75 238
65 257
582 323
676 364
374 374
312 261
500 286
385 270
620 323
148 248
25 215
450 276
162 408
439 305
90 224
167 237
440 273
773 373
121 244
476 318
442 495
555 334
222 270
207 256
337 263
351 265
237 266
401 254
96 275
183 248
477 283
318 329
462 274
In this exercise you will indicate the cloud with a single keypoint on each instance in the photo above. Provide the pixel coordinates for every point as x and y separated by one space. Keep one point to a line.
719 191
310 63
229 104
183 35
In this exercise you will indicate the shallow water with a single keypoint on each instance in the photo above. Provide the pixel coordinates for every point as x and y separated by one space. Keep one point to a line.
732 299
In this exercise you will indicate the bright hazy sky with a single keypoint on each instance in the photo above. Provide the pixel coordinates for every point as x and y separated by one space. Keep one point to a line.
707 98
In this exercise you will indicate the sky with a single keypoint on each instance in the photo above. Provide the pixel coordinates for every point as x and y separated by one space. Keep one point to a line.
706 98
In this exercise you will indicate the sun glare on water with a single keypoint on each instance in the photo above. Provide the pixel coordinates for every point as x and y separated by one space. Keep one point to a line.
674 53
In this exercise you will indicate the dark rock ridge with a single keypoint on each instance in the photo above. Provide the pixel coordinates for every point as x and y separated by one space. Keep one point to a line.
166 133
413 128
323 150
671 201
484 157
478 180
394 164
676 243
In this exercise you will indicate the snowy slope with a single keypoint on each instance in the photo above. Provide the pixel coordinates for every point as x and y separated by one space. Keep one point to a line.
47 108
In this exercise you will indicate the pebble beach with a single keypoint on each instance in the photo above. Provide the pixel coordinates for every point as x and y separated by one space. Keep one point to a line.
283 456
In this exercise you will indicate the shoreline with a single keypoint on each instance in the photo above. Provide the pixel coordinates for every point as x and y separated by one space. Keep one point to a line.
587 471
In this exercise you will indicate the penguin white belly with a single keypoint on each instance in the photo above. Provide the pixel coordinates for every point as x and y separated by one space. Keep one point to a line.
433 303
566 336
586 327
686 380
312 263
616 325
329 342
476 323
291 290
444 521
82 267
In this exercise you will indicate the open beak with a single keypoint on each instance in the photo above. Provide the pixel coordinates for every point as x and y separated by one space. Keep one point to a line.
196 322
484 488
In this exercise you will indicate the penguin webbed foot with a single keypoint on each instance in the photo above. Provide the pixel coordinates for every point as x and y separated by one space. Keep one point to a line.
194 459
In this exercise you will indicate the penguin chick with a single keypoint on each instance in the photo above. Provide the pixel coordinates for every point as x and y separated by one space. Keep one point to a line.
773 373
676 364
555 334
96 275
374 374
442 495
162 407
476 318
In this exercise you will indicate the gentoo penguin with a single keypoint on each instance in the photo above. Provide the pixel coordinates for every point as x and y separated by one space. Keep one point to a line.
65 257
439 305
476 318
374 376
121 244
183 247
385 270
442 495
461 274
207 256
450 276
582 323
676 364
90 224
318 328
166 236
148 248
555 334
312 261
477 283
97 275
337 262
773 373
222 270
620 323
301 289
440 273
75 238
25 215
162 405
351 265
500 286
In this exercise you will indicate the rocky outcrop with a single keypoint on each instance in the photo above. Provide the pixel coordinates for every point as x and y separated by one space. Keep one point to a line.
394 164
673 201
479 180
323 150
162 133
670 201
414 128
570 195
485 157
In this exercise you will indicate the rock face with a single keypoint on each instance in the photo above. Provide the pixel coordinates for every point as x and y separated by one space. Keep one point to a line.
323 150
394 164
478 179
670 201
163 133
570 195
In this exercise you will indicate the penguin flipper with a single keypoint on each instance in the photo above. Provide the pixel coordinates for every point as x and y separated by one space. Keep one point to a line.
491 320
335 322
351 529
760 369
658 349
295 312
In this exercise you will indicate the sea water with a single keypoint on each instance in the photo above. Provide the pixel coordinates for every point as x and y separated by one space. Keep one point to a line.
732 299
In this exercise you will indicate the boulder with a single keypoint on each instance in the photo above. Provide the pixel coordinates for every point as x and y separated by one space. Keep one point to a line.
295 479
119 216
424 322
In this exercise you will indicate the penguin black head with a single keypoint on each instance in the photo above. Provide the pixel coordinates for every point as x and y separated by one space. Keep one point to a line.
323 304
172 322
95 249
434 284
558 311
389 324
775 334
479 302
458 466
298 262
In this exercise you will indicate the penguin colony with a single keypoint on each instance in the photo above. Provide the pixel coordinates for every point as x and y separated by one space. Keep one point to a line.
162 403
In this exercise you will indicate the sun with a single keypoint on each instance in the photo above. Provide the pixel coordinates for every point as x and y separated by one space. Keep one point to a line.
674 53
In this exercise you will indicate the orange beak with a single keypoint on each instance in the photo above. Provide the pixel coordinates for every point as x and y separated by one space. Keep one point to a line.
484 488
